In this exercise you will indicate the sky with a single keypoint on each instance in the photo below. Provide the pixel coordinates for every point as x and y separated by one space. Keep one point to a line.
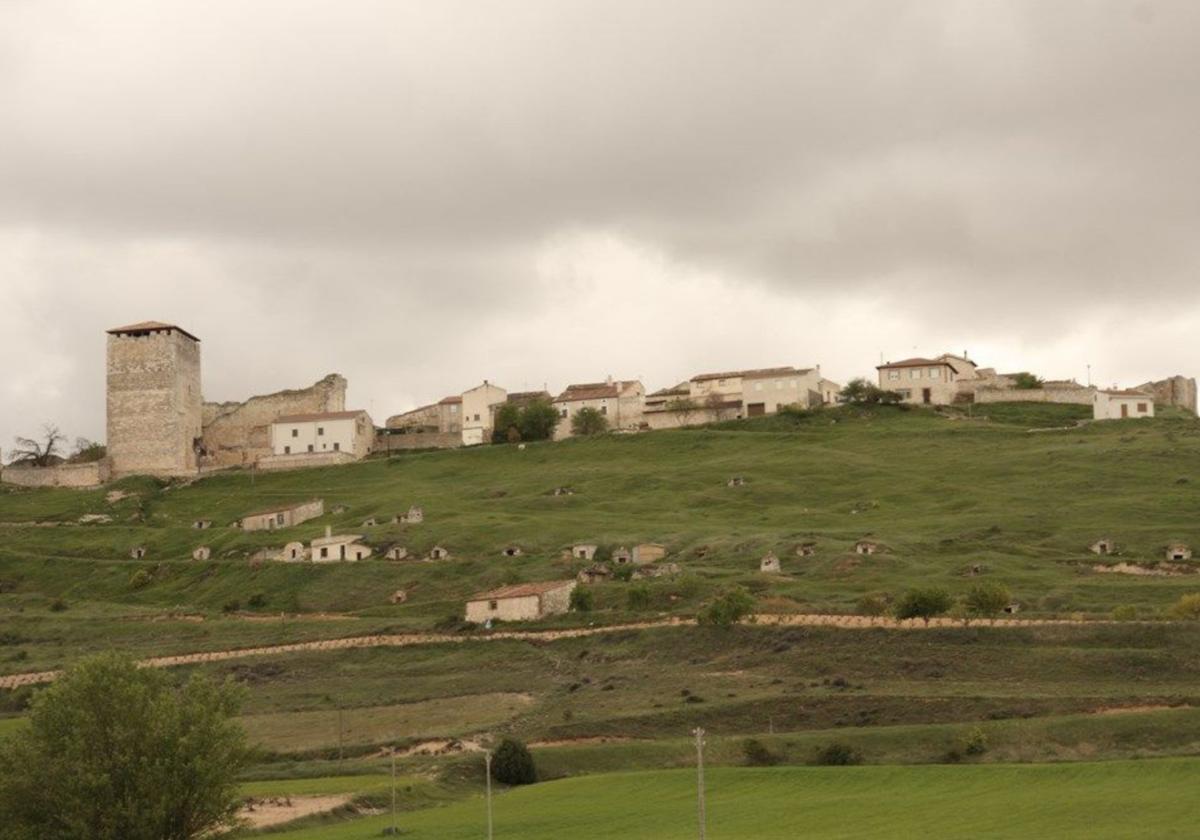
423 195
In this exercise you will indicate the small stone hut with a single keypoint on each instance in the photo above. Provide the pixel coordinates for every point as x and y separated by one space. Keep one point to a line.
202 524
414 516
369 522
1103 546
583 551
438 553
522 602
1179 551
866 547
622 556
735 481
397 552
282 516
399 597
293 552
201 552
512 551
137 552
644 553
769 563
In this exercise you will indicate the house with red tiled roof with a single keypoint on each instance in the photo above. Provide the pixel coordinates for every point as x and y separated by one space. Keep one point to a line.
620 401
1120 405
936 381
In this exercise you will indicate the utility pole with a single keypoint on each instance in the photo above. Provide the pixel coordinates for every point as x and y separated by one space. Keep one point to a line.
487 760
340 739
699 733
394 829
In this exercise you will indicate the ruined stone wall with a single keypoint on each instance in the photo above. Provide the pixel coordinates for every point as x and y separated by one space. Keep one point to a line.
240 432
1174 390
153 392
1081 395
427 416
92 474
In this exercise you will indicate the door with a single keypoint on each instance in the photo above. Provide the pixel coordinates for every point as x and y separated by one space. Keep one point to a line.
1124 410
926 396
756 409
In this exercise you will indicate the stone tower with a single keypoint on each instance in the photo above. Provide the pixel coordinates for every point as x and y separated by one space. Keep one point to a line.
153 399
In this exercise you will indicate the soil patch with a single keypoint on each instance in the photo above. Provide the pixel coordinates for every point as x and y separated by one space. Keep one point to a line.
277 810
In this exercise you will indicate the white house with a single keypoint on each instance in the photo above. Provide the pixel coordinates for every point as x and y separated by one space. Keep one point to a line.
349 432
477 407
1117 405
336 548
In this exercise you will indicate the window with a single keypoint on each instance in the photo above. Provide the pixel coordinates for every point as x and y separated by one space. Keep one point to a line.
476 418
454 409
720 383
915 373
287 450
778 384
904 393
324 445
320 430
604 409
310 447
893 374
934 373
337 447
1141 408
279 519
492 605
324 552
295 433
562 413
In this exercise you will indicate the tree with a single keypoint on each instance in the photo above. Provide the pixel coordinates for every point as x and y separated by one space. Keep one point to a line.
506 423
512 764
539 419
718 406
683 408
39 453
924 603
116 752
988 598
861 392
1026 381
589 421
87 451
728 608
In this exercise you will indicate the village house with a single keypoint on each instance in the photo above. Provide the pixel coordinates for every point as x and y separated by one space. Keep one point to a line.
318 438
1119 405
521 602
927 381
478 410
620 402
334 548
282 516
731 395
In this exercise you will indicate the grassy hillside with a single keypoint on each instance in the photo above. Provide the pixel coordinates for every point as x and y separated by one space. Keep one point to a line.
1092 801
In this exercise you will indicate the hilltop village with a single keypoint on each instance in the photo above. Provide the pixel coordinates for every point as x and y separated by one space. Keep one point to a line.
159 425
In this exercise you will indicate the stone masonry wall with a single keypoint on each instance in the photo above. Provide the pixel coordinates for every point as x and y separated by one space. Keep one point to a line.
1174 390
240 432
63 475
153 391
420 440
304 460
1071 396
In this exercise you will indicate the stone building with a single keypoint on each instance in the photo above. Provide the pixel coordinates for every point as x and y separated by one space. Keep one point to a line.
734 394
1174 390
154 416
239 433
936 381
478 412
621 403
282 516
346 432
644 553
521 602
336 548
1120 405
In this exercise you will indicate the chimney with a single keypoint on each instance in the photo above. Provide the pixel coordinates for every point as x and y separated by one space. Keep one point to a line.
328 531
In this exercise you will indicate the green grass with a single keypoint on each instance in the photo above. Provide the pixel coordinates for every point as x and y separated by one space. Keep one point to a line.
1092 801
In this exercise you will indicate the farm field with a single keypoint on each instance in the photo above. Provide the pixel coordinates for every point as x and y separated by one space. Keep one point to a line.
1085 800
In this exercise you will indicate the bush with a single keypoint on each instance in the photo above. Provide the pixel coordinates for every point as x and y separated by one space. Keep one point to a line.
1187 607
623 573
757 754
976 742
924 603
988 598
231 606
257 601
861 392
1125 612
140 578
582 600
875 603
638 597
728 608
589 421
838 754
512 764
58 605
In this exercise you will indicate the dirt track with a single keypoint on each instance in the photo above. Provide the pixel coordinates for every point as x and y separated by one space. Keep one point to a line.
849 622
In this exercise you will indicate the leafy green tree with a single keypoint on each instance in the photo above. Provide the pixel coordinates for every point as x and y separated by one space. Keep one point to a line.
924 603
728 608
506 422
512 764
589 421
87 451
1026 381
582 600
988 598
539 419
116 752
861 392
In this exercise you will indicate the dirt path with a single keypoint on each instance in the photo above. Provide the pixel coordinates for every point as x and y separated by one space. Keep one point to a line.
848 622
277 810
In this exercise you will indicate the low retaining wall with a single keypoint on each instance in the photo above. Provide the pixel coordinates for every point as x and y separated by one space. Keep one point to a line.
420 440
62 475
303 460
1069 396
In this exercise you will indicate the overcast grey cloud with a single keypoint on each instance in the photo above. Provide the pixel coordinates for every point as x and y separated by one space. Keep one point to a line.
422 195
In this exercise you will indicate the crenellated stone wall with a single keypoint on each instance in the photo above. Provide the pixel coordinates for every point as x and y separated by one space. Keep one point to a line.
238 433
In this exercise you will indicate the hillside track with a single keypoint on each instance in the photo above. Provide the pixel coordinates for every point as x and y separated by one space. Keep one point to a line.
847 622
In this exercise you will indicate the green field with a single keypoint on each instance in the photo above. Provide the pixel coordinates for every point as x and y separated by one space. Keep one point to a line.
954 499
1152 799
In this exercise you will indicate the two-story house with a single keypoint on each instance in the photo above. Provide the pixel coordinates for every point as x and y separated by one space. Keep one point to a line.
927 381
620 401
